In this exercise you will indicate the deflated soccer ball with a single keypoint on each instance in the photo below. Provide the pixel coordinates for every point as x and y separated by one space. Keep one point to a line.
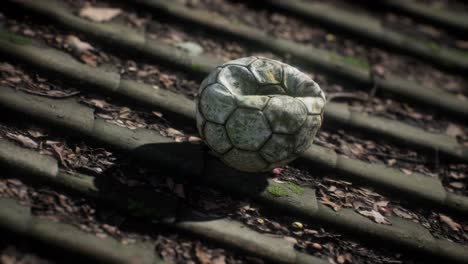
256 113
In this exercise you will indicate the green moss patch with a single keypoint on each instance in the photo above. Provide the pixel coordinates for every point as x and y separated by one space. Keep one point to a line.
295 188
355 61
14 38
277 190
285 189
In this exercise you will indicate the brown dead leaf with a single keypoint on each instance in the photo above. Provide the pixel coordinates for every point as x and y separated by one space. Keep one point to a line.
340 259
89 59
457 185
315 246
99 14
193 139
454 130
391 162
457 175
376 216
58 150
401 213
173 132
381 206
462 44
36 133
7 68
74 43
378 70
14 79
23 140
206 258
324 200
98 103
158 114
450 223
406 171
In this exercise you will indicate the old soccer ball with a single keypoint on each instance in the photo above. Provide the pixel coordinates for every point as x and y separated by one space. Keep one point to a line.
256 114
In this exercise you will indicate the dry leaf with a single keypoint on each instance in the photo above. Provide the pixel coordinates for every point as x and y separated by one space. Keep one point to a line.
221 259
298 225
77 45
457 185
36 134
99 14
341 259
158 114
406 171
316 246
376 216
381 206
290 239
462 44
378 70
173 132
401 213
330 203
14 79
454 130
89 59
457 175
193 139
449 222
25 141
98 103
206 258
58 152
7 68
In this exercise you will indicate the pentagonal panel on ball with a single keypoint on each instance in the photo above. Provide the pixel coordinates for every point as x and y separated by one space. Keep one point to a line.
216 137
245 160
252 101
247 129
238 79
217 103
292 78
210 79
278 147
306 134
314 105
267 71
285 114
308 88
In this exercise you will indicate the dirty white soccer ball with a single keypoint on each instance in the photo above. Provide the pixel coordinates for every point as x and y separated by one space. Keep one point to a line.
257 113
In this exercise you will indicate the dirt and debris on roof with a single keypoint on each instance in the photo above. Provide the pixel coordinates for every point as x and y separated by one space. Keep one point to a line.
321 212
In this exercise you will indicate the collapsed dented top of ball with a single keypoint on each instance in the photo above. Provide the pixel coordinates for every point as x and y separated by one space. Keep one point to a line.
257 113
